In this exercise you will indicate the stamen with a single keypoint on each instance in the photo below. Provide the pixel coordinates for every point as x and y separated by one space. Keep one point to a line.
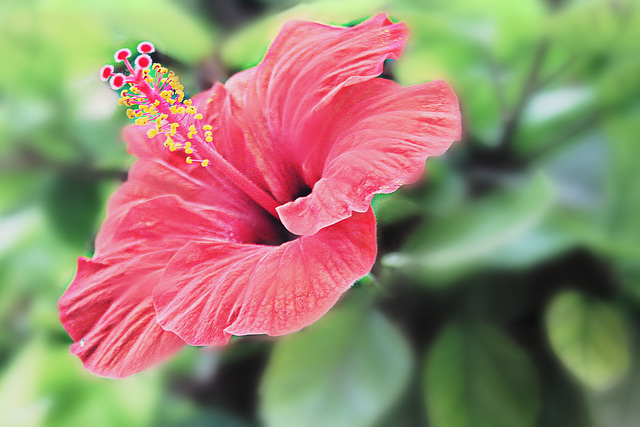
157 100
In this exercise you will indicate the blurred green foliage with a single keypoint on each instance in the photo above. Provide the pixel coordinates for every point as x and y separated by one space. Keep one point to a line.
508 287
475 376
327 369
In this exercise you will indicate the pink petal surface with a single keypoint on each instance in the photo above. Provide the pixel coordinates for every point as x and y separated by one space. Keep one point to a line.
109 313
380 134
160 172
229 138
210 291
107 309
306 65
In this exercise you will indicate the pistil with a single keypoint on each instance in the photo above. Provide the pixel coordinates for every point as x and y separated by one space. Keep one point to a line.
159 97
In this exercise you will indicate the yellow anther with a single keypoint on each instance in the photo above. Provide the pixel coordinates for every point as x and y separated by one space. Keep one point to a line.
168 95
172 130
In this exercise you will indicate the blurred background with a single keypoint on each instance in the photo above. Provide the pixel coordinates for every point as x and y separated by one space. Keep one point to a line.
507 289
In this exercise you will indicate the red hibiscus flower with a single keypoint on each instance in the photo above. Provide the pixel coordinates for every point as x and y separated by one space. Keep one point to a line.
247 211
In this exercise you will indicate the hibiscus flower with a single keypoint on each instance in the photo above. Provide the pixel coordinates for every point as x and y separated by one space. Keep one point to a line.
248 208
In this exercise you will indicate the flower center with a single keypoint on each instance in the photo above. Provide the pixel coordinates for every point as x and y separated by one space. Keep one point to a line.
157 97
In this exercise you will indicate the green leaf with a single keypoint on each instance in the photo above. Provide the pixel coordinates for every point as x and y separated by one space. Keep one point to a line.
620 214
565 405
549 115
578 171
586 27
618 85
476 376
46 386
345 370
619 406
20 404
448 248
173 29
533 247
589 337
206 418
16 227
17 187
392 208
72 206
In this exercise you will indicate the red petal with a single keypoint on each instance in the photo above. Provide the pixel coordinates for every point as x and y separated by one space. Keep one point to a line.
108 304
380 136
108 311
160 172
212 290
167 172
229 138
305 67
